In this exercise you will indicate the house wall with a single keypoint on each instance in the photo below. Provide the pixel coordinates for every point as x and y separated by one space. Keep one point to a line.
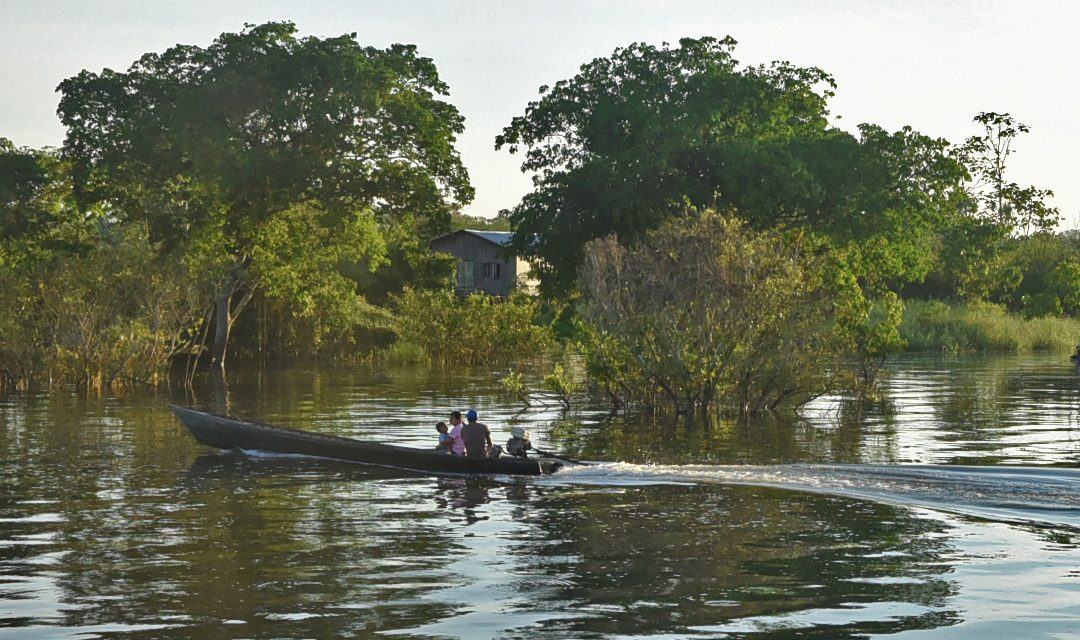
472 249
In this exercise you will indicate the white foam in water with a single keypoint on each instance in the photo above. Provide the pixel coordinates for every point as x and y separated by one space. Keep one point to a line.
273 455
1037 495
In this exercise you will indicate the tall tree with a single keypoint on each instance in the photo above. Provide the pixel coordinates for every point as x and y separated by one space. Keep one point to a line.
216 149
974 263
1001 201
632 138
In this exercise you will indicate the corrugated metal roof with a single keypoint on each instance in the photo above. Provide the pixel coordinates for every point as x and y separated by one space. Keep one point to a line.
501 238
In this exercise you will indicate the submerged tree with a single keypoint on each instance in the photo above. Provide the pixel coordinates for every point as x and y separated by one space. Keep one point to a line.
494 332
220 150
83 300
705 312
27 203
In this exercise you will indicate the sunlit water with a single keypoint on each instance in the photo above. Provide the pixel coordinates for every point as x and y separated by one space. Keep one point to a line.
948 510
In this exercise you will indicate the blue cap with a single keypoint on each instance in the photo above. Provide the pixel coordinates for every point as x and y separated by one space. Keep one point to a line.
471 415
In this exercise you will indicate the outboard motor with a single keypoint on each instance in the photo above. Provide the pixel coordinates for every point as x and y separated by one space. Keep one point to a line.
518 444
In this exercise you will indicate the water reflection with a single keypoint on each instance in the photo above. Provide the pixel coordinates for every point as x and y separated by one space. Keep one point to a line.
988 410
114 523
931 410
465 496
675 561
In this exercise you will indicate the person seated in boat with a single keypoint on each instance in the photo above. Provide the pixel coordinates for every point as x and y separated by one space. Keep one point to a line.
457 445
477 436
518 445
445 441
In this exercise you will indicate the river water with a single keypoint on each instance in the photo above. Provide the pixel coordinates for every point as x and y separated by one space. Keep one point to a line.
950 508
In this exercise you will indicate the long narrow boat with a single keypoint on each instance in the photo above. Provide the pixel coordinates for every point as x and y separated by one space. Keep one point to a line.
226 432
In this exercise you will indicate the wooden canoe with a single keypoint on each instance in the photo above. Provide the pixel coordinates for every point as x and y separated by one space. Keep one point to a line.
225 432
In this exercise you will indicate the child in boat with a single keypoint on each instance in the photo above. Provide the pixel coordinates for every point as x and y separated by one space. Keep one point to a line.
445 441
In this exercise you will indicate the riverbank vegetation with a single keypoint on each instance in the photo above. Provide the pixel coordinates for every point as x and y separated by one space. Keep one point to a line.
704 235
652 135
935 326
477 330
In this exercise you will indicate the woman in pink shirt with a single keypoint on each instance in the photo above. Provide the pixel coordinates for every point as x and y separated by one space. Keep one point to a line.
457 445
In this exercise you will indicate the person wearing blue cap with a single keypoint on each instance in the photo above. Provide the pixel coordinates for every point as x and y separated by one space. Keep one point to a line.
477 436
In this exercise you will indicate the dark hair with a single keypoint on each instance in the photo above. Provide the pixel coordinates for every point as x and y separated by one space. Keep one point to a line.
440 426
455 414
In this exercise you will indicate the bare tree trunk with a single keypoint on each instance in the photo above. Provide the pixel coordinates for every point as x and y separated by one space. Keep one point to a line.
221 402
223 325
225 313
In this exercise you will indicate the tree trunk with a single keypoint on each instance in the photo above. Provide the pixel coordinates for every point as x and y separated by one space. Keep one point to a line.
221 392
225 313
223 325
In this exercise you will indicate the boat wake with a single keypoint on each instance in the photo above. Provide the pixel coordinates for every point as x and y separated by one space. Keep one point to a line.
1040 496
1043 496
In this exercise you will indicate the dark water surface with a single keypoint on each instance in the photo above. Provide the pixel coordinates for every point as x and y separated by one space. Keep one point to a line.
950 509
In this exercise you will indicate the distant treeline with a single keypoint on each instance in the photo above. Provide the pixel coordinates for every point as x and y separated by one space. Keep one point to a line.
702 233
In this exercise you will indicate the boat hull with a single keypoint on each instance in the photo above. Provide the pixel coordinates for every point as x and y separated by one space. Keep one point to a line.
225 432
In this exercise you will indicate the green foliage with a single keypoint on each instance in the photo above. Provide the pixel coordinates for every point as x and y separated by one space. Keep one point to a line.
260 120
298 256
1033 274
225 142
22 339
117 312
514 384
479 223
479 330
886 204
983 328
24 176
706 311
83 300
632 138
981 257
1039 305
626 141
1064 282
406 353
1003 202
1048 273
973 266
871 325
409 262
306 174
113 313
562 383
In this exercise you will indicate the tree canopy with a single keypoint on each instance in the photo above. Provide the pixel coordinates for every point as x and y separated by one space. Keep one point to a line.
999 200
635 137
24 177
208 146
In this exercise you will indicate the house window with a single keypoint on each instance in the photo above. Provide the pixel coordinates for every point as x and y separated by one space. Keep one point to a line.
492 270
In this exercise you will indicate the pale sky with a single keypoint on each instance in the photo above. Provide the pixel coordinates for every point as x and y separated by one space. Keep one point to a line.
929 64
